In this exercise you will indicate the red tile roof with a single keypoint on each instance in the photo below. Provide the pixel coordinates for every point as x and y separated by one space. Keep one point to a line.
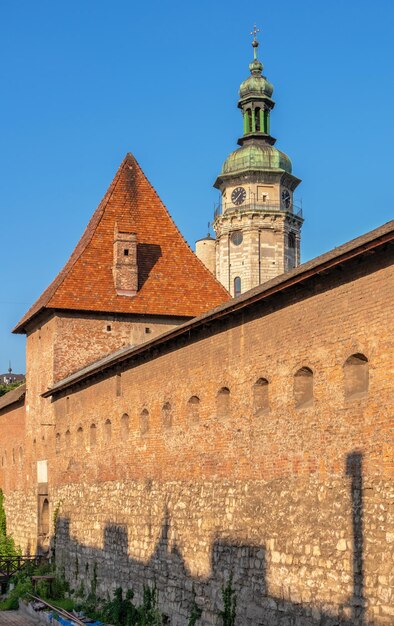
172 280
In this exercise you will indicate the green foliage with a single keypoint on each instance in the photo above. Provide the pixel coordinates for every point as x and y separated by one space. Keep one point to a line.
149 614
7 545
229 603
5 388
195 612
22 587
121 611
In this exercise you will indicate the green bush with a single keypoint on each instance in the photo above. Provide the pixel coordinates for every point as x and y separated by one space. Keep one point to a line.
121 611
21 590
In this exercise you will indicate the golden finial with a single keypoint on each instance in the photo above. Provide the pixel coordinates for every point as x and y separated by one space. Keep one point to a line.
255 43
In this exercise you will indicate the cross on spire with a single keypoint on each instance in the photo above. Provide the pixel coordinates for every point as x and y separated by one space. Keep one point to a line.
255 43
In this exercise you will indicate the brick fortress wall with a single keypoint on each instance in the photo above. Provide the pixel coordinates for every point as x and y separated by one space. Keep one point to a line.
183 469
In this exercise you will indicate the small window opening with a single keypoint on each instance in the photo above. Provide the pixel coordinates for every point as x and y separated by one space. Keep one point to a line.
260 396
237 286
109 328
303 388
223 402
67 439
356 374
57 446
45 517
126 252
148 330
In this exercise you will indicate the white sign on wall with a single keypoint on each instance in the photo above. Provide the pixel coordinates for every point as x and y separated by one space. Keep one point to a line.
42 471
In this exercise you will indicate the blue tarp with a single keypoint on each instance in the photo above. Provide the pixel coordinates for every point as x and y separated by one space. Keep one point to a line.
66 622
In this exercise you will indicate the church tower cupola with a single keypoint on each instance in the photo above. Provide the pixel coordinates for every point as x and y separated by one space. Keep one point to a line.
255 100
257 223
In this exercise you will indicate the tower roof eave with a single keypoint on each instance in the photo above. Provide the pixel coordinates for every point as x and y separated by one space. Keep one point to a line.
222 178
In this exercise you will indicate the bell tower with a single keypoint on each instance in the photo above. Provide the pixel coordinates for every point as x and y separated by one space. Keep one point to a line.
257 224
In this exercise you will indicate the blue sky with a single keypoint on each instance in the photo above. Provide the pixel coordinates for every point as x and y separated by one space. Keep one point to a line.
85 81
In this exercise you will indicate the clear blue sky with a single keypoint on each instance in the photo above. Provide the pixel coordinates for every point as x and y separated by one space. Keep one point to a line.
85 81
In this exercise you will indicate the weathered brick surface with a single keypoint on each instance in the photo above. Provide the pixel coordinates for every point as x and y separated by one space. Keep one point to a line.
298 503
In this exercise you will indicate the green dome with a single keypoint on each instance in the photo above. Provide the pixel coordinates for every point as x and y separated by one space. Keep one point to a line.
256 84
256 156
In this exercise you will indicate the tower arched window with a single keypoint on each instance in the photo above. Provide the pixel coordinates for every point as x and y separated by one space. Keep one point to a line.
291 241
237 286
249 114
257 119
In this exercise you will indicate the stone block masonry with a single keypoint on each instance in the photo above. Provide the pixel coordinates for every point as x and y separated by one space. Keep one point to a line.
173 466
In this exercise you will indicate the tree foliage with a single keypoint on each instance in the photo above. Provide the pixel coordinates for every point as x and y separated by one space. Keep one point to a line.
4 388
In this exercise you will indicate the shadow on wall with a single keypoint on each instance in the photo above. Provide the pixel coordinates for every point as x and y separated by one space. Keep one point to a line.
147 256
166 568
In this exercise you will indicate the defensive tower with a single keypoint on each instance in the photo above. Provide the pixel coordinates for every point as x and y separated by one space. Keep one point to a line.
257 223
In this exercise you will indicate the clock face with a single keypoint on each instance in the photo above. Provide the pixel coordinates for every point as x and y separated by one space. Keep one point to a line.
238 196
286 198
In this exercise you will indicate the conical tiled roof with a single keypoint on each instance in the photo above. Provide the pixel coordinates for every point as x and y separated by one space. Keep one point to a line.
171 279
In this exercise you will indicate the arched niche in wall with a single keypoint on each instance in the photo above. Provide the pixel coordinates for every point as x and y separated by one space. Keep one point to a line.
261 396
144 422
125 426
193 409
107 430
80 437
67 440
223 403
57 443
303 388
166 413
93 435
356 376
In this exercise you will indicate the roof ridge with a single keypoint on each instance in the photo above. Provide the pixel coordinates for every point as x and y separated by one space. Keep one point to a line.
81 245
